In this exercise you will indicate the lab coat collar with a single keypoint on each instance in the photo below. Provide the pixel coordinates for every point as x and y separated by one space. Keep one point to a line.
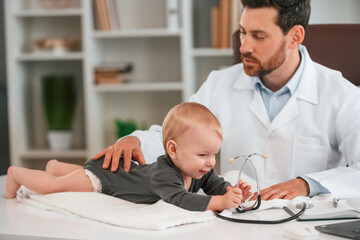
308 86
244 81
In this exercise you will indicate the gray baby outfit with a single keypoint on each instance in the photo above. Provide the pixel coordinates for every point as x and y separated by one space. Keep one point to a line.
160 180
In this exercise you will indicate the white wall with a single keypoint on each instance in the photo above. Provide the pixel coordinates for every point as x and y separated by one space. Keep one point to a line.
335 11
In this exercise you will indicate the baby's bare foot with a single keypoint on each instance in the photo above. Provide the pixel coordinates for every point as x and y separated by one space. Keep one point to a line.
11 184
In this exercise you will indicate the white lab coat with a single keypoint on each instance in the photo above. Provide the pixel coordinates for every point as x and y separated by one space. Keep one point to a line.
316 134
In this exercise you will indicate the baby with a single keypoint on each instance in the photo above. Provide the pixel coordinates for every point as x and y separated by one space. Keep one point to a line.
191 137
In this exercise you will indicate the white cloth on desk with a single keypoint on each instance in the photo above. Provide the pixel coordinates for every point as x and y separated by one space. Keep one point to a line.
118 212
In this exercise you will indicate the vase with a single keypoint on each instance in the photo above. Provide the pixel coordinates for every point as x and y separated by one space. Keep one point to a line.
59 139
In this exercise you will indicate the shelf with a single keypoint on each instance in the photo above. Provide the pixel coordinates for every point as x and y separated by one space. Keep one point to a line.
140 87
212 52
48 154
137 33
157 52
50 56
49 13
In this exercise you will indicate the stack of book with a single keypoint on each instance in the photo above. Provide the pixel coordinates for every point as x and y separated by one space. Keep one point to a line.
106 15
112 73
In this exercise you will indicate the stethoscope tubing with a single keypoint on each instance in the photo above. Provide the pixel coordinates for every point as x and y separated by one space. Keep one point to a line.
295 216
258 202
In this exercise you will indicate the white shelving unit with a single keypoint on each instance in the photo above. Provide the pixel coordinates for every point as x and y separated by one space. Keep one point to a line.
50 57
138 33
52 13
141 87
25 22
211 52
168 69
158 82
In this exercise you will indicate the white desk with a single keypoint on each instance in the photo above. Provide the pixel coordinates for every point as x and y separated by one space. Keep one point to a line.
20 221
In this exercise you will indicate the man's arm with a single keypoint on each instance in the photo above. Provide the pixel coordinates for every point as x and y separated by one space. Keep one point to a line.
342 182
315 187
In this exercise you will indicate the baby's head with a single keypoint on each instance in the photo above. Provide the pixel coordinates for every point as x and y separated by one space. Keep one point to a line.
191 137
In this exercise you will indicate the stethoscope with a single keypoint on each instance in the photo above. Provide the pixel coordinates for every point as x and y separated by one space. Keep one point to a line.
256 205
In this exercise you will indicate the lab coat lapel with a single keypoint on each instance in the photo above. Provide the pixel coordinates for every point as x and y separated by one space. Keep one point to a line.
306 91
256 105
258 108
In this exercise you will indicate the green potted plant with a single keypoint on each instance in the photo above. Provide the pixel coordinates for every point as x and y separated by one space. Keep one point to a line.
126 126
59 98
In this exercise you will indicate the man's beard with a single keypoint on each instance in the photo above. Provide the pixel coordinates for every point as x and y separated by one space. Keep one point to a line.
260 69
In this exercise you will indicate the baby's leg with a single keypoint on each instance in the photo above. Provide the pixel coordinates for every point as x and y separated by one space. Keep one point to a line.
43 182
56 168
11 184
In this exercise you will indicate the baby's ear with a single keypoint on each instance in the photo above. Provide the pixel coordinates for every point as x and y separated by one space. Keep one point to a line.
171 148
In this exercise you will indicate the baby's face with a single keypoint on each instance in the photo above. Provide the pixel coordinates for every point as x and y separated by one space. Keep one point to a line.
196 151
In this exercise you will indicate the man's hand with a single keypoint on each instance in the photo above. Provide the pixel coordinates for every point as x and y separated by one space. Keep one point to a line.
286 190
129 147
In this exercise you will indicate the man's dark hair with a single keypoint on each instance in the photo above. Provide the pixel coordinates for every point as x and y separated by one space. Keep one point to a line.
291 12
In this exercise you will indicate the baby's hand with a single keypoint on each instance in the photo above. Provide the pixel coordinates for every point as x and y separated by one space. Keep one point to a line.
245 188
232 198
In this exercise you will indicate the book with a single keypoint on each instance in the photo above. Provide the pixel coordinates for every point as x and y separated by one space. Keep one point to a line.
105 14
116 15
224 25
235 18
113 14
215 35
117 80
122 67
99 25
325 210
112 73
111 77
